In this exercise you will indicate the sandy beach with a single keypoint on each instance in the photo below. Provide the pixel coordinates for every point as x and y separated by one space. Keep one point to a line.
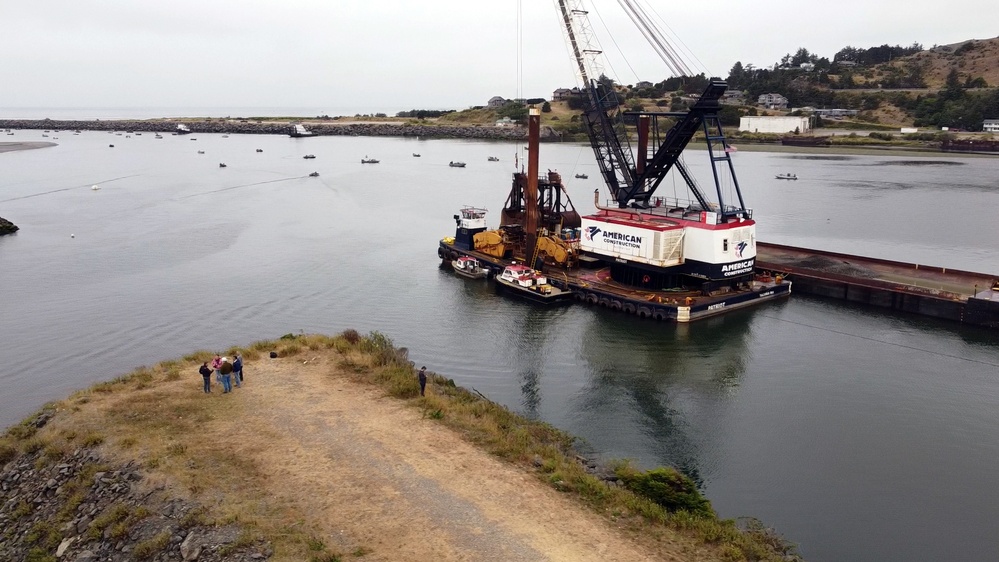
14 146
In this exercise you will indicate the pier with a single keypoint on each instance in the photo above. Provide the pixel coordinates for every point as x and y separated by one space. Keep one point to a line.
938 292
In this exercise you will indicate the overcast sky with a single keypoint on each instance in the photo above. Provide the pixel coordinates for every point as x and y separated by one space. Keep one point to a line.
391 54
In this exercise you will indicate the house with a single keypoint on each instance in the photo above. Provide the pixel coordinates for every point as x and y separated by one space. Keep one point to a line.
775 124
496 101
561 94
643 84
772 101
807 66
990 126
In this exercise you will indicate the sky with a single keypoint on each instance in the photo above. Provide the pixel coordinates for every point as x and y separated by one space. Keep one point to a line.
387 55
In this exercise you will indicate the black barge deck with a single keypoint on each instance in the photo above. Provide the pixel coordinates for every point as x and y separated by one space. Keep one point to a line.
938 292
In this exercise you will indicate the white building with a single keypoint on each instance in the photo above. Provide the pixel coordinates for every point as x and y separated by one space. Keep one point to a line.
766 124
990 126
772 101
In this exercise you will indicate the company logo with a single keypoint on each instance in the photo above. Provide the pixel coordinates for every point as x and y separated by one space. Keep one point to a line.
591 232
739 248
737 268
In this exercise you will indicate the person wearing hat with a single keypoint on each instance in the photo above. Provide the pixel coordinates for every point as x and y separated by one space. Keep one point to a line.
226 370
423 379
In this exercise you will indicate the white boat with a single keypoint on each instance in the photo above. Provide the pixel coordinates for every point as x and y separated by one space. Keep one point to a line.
467 266
786 176
520 280
182 129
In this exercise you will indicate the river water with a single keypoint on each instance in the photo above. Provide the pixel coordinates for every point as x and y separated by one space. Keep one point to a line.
859 434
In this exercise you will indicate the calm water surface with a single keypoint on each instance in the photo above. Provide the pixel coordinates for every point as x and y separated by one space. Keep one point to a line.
858 434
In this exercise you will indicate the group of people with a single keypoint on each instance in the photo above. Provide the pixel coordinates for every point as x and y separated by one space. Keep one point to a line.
225 372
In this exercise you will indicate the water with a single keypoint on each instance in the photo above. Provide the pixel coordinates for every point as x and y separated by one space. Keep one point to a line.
114 113
858 433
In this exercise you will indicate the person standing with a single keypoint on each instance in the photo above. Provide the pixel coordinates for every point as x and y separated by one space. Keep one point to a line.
237 369
206 374
423 379
226 370
216 364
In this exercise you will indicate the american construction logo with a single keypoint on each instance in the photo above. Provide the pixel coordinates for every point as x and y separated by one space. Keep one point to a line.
737 268
739 248
591 232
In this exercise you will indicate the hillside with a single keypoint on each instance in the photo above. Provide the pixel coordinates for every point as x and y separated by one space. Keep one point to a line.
972 59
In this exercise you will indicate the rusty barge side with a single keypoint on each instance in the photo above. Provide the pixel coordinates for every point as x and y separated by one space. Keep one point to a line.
951 294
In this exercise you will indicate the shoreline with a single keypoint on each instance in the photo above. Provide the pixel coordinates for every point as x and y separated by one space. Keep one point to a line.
329 448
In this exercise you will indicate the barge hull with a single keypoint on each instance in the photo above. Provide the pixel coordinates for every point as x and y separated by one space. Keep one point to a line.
594 287
950 294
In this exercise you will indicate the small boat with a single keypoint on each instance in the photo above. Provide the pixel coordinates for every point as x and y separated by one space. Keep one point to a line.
467 266
493 159
221 164
416 155
786 176
110 146
581 176
192 138
201 152
94 187
522 281
314 175
159 136
260 150
44 135
456 164
309 156
182 129
367 160
225 136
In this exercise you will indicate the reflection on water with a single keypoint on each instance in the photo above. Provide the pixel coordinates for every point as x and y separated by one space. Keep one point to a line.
926 162
819 157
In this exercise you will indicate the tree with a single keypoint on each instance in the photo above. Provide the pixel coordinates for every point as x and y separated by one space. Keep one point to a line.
546 107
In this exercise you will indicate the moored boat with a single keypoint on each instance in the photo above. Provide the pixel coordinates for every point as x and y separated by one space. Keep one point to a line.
493 159
520 280
786 176
456 164
467 266
582 176
367 160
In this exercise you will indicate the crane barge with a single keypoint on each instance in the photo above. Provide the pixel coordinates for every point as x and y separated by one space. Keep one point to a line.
666 258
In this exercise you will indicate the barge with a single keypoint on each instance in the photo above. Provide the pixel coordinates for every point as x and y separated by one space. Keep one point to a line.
938 292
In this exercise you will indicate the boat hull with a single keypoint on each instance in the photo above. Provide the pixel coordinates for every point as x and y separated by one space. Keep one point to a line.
469 274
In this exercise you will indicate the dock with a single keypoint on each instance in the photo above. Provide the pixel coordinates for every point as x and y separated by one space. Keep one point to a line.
938 292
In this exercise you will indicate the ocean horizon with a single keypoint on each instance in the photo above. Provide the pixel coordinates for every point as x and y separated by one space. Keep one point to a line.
157 112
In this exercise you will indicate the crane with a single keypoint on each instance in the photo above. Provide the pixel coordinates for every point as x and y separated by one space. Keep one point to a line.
632 176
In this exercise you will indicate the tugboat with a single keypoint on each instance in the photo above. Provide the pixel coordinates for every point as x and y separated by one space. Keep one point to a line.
469 267
522 281
456 164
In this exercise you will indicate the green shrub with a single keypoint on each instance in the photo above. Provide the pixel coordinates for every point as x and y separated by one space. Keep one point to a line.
351 336
149 548
666 487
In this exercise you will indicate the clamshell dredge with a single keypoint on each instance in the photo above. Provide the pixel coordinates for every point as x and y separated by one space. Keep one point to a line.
667 258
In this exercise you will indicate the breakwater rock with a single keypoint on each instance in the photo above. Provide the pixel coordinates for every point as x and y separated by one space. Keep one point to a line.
7 227
330 128
80 507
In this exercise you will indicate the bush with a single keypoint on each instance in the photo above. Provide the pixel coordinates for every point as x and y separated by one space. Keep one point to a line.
668 488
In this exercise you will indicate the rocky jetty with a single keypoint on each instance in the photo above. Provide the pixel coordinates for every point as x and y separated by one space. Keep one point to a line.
7 227
80 507
239 126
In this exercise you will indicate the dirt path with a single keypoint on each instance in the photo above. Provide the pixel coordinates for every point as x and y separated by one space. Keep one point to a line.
376 475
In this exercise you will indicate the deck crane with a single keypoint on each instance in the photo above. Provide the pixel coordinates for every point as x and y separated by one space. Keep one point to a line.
633 177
